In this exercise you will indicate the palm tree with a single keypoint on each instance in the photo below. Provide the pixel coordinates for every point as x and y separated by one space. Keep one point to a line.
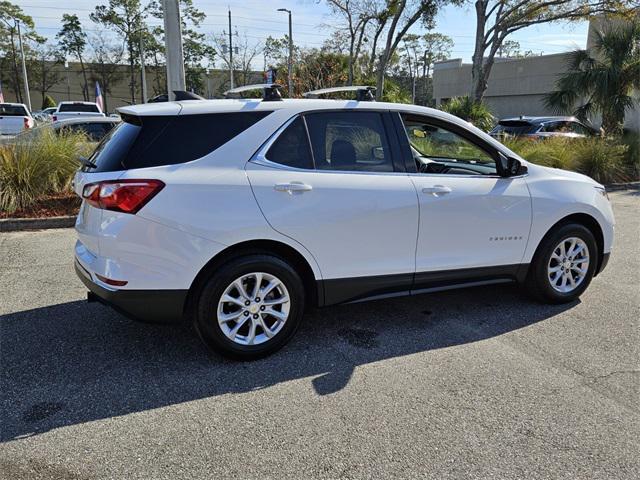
603 79
474 112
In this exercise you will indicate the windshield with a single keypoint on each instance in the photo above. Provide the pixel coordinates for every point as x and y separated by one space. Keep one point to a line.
514 127
13 111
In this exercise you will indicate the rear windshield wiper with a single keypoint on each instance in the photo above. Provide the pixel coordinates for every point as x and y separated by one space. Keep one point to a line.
86 162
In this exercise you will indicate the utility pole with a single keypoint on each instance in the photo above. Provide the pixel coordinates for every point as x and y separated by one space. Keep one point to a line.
66 67
290 62
230 52
143 74
24 68
173 46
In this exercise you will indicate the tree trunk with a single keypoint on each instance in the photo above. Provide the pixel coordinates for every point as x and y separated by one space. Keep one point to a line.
478 77
85 90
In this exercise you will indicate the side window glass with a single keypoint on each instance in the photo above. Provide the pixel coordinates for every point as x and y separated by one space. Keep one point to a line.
349 141
439 150
552 127
291 148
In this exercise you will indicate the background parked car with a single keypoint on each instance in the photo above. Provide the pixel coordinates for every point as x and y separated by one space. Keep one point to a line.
14 118
45 115
542 127
77 109
95 128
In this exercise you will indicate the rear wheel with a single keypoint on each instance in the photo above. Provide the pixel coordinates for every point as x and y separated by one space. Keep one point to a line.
250 307
564 265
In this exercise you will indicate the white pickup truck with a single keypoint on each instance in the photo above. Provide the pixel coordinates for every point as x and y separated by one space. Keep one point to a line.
75 109
14 118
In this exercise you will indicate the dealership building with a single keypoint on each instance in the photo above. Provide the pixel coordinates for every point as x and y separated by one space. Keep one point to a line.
516 86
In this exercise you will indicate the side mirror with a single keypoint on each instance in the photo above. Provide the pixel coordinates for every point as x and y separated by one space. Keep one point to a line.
510 166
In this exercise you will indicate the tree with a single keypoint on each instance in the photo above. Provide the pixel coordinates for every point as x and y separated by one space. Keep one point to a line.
125 17
10 14
357 14
604 78
473 112
106 60
43 69
403 14
244 52
497 19
73 40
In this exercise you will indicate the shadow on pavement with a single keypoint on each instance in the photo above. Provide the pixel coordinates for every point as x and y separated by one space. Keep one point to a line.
76 362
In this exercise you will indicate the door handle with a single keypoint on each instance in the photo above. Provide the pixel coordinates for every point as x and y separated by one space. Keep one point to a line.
292 187
437 190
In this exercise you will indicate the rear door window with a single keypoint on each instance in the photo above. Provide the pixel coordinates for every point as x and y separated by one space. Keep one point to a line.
349 141
292 148
152 141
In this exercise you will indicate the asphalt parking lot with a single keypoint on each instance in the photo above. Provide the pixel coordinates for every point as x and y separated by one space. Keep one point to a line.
479 383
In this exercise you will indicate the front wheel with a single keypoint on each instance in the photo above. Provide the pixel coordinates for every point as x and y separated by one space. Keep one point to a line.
251 307
564 265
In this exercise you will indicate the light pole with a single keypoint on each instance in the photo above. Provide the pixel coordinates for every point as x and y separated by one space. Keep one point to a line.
290 70
230 52
173 45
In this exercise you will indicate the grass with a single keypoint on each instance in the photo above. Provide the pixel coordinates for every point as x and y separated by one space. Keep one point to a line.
604 160
39 166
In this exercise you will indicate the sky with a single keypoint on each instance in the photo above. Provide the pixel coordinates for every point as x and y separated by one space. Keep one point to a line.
257 19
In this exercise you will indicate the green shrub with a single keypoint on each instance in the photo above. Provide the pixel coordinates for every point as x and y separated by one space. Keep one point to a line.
474 112
603 160
552 152
38 165
632 156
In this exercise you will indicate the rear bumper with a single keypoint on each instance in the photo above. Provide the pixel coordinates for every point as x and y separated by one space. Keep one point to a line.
158 306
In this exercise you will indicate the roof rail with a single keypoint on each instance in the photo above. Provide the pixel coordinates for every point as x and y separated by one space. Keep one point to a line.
270 91
184 95
364 93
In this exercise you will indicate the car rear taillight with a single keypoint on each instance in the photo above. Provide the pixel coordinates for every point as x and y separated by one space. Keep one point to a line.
27 125
55 118
127 196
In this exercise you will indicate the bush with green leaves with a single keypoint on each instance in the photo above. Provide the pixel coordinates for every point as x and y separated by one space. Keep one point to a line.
473 112
39 165
601 159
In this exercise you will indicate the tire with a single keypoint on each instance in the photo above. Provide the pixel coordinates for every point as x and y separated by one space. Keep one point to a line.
248 332
540 280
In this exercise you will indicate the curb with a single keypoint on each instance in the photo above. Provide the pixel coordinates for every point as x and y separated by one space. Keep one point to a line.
20 224
614 187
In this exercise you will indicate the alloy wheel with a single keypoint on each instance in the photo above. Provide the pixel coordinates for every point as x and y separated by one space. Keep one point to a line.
568 265
253 308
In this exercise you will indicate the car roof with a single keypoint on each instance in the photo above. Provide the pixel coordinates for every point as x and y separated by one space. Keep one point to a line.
537 120
296 105
87 119
77 102
14 104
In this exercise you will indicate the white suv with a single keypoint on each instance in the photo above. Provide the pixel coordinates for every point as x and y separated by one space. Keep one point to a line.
239 214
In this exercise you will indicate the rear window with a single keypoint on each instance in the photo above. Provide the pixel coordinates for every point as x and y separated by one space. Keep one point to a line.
153 141
78 107
515 127
13 111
